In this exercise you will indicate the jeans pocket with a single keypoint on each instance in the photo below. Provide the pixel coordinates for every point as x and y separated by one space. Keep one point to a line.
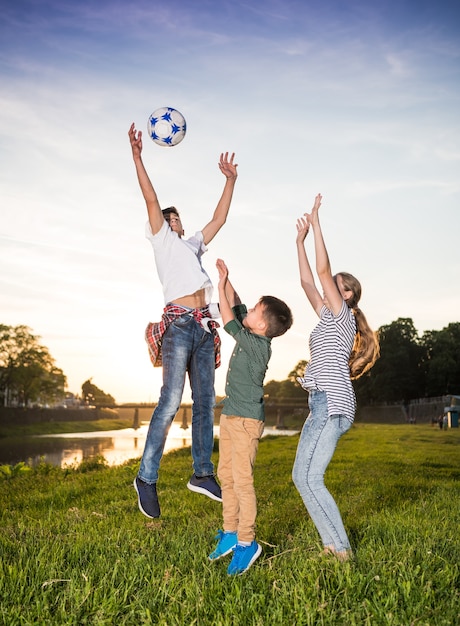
183 320
342 422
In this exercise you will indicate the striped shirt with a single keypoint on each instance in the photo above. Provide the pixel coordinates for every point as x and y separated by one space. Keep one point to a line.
331 342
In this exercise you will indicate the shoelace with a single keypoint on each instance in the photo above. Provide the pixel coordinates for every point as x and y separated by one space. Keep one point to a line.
239 552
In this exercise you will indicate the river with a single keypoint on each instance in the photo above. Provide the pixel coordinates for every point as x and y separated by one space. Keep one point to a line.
116 446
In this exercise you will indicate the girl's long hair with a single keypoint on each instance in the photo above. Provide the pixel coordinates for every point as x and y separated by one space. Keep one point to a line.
366 349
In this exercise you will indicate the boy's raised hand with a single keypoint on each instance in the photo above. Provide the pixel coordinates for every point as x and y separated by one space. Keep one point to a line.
227 167
226 292
222 269
135 140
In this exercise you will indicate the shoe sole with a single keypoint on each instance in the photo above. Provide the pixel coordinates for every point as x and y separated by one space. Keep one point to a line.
139 503
204 492
256 556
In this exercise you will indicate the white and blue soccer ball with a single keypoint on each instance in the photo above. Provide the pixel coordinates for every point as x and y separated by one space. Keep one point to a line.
167 127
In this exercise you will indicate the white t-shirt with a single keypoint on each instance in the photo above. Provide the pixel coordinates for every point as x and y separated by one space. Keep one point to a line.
178 263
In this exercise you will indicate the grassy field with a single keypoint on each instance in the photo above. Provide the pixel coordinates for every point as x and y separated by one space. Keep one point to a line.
75 549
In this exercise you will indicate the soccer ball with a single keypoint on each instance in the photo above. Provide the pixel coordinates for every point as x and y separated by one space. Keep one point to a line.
166 127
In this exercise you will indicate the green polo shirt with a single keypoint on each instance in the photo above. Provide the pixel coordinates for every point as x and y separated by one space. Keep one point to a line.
246 370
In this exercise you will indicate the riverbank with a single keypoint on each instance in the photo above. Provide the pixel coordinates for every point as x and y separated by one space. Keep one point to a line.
51 422
76 550
115 446
54 428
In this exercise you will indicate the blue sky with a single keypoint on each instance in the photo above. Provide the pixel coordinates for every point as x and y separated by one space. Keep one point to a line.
359 101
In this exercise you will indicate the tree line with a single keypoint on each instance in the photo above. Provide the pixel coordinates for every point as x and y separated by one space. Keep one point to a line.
29 375
409 367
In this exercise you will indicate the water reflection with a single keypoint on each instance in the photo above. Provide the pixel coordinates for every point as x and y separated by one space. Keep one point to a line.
116 446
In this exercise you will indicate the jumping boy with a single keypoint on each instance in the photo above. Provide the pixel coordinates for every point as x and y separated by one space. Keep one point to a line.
242 419
186 339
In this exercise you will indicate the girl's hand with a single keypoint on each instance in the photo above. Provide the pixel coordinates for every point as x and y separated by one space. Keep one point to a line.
312 217
302 230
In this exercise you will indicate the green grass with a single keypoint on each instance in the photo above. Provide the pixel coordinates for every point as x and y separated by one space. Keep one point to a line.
75 549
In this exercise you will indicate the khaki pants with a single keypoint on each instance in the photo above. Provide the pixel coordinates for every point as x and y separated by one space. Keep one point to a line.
238 442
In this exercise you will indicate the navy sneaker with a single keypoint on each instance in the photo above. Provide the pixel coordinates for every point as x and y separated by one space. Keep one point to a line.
147 498
207 485
227 541
243 558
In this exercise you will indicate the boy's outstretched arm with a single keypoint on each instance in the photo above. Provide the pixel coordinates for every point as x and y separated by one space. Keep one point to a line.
228 169
228 297
156 218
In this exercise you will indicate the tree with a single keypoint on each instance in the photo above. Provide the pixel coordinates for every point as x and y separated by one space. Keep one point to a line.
288 388
93 395
398 375
409 367
28 373
298 371
442 360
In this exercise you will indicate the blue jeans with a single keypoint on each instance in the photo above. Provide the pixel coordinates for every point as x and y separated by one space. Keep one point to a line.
317 444
186 348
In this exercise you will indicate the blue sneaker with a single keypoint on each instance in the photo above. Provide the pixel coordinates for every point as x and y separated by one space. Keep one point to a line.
206 485
147 498
243 558
227 541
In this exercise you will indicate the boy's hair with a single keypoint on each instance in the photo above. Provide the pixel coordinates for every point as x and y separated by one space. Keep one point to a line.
169 210
277 315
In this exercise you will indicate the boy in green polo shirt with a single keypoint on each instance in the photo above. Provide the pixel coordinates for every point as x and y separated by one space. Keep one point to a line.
242 419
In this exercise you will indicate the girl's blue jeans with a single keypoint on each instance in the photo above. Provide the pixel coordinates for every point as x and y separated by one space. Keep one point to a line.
186 348
316 447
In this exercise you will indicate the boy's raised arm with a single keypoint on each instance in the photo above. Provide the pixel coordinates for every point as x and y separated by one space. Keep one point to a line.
228 169
228 297
156 218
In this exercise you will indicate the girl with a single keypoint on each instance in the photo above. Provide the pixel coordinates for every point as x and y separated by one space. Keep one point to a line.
342 348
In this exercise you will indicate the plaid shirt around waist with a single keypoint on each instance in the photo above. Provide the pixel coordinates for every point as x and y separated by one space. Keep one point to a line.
155 330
